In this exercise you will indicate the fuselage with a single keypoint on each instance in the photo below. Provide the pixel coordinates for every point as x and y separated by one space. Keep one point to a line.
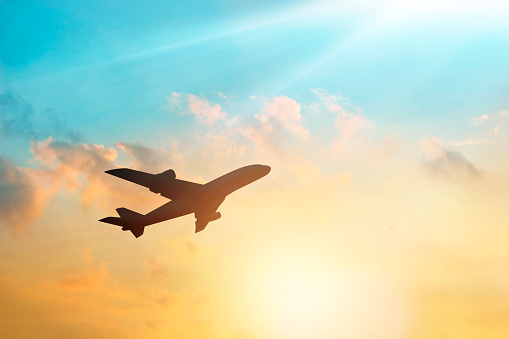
205 200
234 180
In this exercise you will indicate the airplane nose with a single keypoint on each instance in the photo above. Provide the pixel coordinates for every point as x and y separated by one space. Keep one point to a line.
266 170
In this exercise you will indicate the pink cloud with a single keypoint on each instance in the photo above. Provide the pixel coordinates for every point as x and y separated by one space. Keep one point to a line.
278 117
349 119
432 147
284 112
206 112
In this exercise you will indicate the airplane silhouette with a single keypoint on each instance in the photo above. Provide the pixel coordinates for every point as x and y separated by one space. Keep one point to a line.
186 197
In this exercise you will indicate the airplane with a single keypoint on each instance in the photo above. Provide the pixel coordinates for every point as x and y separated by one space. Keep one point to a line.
186 197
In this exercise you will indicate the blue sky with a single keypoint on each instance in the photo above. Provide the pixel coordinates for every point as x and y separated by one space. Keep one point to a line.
100 66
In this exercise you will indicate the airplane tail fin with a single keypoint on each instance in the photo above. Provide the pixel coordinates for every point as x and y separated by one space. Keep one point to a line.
129 220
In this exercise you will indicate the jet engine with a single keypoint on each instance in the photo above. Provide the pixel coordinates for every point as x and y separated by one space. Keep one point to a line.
161 177
215 216
169 175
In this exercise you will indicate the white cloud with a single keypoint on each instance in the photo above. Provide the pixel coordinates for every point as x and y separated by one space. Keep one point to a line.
174 99
496 122
221 95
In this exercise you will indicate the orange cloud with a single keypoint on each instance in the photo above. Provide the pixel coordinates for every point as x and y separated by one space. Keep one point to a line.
22 198
69 166
66 166
81 167
91 276
157 270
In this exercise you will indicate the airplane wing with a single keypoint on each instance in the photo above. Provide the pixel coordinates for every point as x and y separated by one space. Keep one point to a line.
164 183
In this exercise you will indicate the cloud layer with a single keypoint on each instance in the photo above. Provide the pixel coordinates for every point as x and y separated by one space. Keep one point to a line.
62 166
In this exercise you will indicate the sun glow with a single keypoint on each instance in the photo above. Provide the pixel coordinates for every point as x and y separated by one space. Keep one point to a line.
298 299
299 302
306 295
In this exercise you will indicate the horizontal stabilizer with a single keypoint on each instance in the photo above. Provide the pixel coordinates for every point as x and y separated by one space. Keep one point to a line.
129 220
128 214
113 221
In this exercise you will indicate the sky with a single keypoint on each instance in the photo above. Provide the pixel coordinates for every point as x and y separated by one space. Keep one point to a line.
385 123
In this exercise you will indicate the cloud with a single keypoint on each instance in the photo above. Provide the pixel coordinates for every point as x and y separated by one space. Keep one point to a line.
349 119
80 167
65 166
278 117
284 112
492 128
387 148
446 164
59 166
221 95
154 325
157 270
19 119
191 297
149 159
71 166
165 298
22 200
16 117
468 142
496 122
206 112
90 277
